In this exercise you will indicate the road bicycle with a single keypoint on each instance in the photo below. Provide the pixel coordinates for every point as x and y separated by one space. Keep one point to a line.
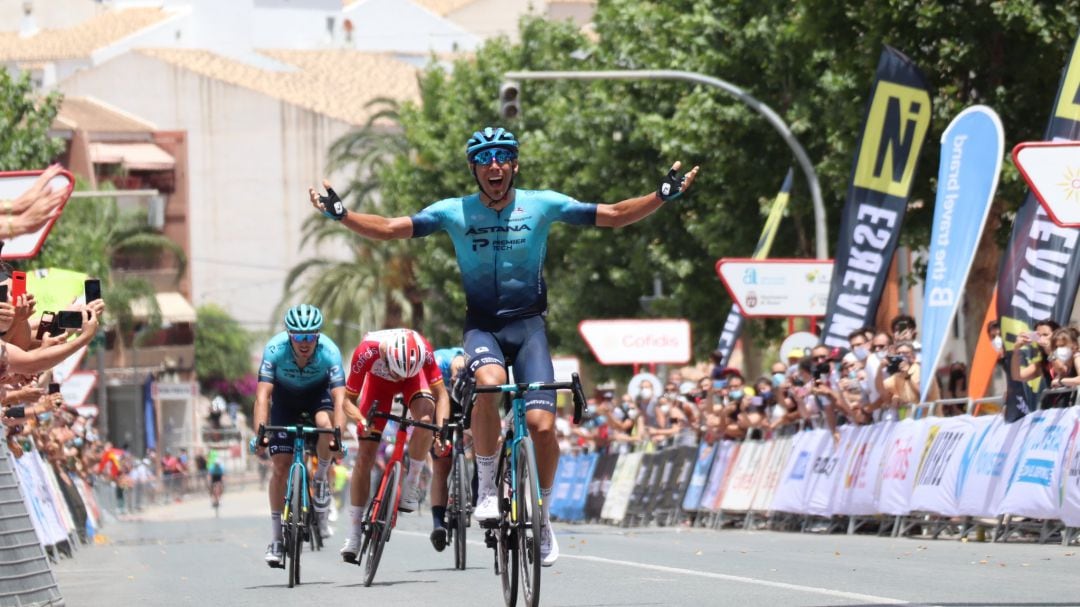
459 505
381 514
515 535
296 518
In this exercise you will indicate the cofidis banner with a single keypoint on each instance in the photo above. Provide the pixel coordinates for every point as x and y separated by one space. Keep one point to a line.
971 151
733 326
897 119
1040 271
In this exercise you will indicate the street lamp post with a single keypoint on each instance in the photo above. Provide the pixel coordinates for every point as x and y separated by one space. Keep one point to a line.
820 232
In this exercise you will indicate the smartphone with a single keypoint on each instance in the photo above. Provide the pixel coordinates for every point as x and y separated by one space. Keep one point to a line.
44 325
16 411
92 289
69 319
18 284
3 293
54 388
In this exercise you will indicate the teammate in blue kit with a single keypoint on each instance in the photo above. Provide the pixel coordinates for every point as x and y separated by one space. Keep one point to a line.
451 363
500 236
300 372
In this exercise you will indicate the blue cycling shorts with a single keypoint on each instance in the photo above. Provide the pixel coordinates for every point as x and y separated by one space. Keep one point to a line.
520 343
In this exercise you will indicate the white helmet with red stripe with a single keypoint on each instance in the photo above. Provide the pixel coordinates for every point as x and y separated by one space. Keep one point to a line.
405 352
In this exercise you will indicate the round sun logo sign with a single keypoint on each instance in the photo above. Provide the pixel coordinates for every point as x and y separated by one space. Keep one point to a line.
1071 185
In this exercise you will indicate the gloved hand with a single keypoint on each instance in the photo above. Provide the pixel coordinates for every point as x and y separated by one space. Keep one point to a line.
671 186
334 207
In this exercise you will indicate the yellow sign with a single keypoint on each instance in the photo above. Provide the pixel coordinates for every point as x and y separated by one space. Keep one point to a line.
895 128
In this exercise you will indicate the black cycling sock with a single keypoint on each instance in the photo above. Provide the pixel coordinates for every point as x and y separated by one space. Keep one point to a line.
438 515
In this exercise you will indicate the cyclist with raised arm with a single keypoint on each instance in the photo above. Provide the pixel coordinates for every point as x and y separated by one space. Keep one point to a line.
500 237
300 373
387 363
451 363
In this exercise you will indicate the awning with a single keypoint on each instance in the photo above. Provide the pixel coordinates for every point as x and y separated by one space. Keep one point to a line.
174 308
133 156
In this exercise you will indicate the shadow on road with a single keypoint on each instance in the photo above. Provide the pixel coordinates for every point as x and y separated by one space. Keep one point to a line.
979 604
286 585
449 569
395 583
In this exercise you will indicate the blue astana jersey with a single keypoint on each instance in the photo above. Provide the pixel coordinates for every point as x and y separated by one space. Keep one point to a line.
501 253
443 358
324 369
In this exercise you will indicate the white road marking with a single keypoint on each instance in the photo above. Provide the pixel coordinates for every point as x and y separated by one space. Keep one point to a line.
840 594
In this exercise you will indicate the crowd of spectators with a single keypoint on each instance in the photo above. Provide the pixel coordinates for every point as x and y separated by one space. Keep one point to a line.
877 377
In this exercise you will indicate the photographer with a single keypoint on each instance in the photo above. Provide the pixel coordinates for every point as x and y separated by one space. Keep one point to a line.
901 384
817 398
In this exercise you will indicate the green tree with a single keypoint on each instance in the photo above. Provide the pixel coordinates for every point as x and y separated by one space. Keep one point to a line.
813 62
25 119
222 347
92 235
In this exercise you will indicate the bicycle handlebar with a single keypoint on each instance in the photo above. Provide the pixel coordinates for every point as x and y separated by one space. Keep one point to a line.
401 419
264 440
574 385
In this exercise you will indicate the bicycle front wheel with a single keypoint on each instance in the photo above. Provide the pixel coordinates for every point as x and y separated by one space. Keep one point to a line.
506 548
527 501
380 526
460 520
296 525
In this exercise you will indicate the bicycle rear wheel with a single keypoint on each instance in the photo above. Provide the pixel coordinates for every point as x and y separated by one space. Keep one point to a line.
295 526
506 548
380 527
528 521
460 519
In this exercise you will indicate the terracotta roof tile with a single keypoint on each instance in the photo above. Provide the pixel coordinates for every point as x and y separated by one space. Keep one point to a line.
336 83
97 117
80 40
443 7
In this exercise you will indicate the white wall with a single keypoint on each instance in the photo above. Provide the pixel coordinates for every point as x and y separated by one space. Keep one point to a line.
491 18
251 159
399 25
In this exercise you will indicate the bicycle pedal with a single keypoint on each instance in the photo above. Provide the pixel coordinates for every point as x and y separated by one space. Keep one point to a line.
490 524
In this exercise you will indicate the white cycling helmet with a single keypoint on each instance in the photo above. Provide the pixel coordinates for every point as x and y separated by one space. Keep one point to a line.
405 353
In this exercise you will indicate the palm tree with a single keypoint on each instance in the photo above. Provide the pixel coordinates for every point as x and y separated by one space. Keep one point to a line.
93 235
377 287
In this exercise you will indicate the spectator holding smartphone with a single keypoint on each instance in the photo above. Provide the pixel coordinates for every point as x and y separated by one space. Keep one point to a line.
902 377
1031 355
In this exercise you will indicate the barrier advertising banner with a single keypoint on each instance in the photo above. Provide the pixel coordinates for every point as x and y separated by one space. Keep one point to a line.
1040 271
733 325
936 480
744 476
897 119
622 485
857 496
828 470
1070 490
718 475
791 495
779 451
905 451
702 463
982 465
1036 479
972 147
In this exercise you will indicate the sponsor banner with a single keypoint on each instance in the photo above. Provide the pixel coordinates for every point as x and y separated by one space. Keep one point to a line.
827 473
938 476
779 451
971 151
45 511
1040 271
637 340
982 465
718 475
600 485
744 476
896 123
571 486
702 463
1035 482
639 494
1052 171
733 325
857 494
683 468
777 287
1070 490
622 485
905 451
792 494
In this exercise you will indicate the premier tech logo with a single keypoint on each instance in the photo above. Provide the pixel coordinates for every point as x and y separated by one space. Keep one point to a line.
895 128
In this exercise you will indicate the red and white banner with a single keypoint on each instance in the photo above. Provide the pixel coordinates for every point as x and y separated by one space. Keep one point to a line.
902 457
744 477
633 340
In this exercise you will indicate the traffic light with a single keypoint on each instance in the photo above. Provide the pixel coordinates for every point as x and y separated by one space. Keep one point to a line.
510 100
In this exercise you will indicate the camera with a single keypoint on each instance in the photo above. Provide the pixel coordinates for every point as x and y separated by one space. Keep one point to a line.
821 370
893 365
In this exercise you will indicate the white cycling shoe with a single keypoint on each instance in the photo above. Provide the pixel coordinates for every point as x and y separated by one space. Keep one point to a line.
549 547
487 508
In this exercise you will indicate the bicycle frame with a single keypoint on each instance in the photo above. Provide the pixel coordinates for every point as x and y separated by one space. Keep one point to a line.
298 460
396 456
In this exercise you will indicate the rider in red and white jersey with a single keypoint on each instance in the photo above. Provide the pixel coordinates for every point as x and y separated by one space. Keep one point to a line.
385 364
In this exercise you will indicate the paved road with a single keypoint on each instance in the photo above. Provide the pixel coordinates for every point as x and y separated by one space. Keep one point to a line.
181 555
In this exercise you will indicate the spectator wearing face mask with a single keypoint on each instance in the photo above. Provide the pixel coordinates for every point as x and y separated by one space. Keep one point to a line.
816 399
627 423
903 376
852 388
1065 362
904 329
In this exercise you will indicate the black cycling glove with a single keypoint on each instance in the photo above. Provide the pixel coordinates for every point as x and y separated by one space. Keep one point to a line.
335 209
671 186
